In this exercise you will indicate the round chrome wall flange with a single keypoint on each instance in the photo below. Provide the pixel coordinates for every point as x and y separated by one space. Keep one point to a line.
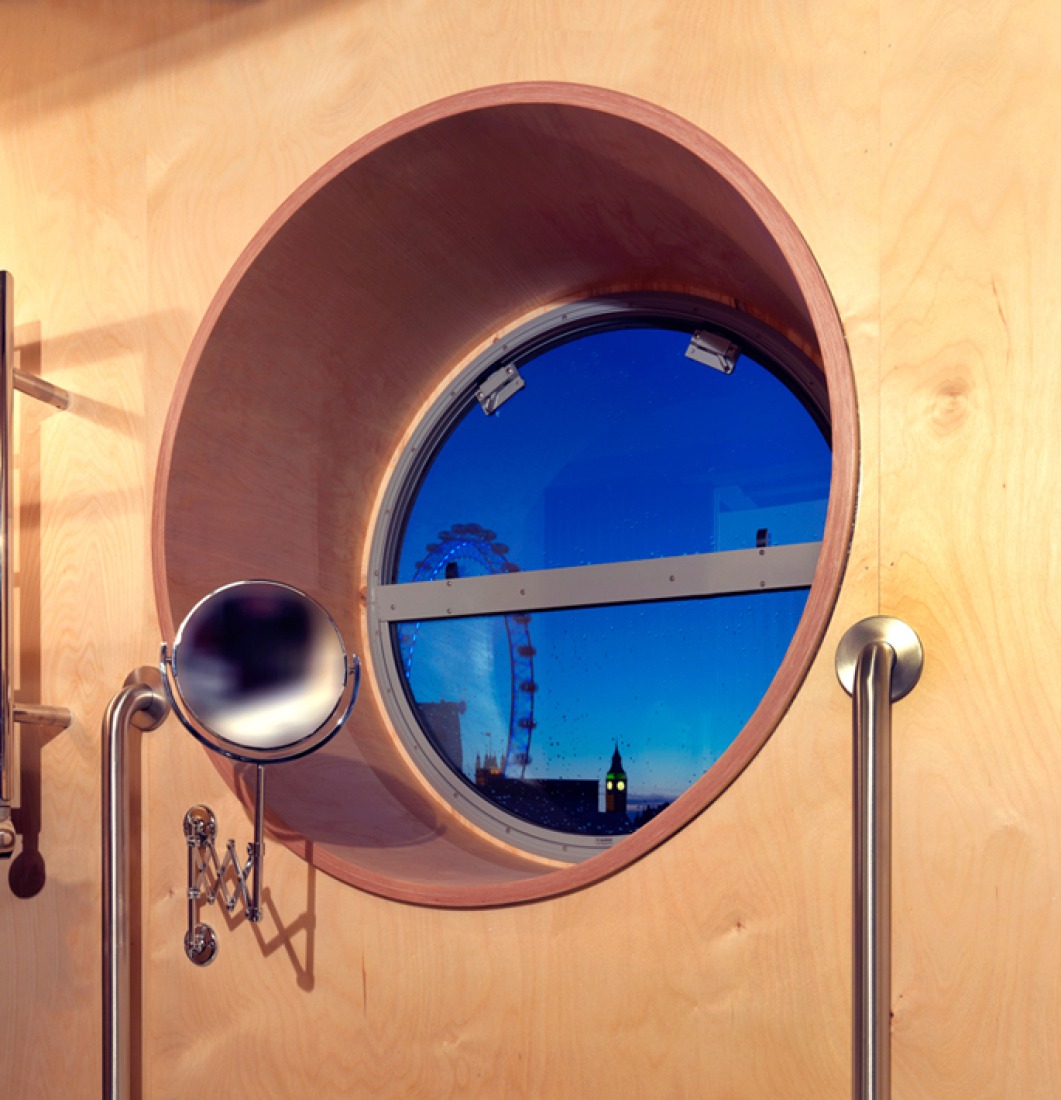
200 825
153 707
8 837
909 656
200 945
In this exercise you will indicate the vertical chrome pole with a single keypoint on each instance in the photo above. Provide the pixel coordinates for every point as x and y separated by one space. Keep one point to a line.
140 703
871 998
879 660
258 848
9 773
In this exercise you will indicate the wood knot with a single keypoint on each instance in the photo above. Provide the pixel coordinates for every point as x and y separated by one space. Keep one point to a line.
950 405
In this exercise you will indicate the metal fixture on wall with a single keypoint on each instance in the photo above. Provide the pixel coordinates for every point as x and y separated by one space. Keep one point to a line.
141 705
878 661
258 673
10 711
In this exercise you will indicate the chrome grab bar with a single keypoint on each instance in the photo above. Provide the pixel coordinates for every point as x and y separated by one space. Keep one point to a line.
139 704
878 661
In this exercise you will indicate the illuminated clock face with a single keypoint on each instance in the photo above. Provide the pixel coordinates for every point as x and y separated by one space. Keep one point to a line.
622 785
611 784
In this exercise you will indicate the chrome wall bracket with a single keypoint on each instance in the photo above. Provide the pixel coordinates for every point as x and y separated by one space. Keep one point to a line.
10 712
878 661
211 878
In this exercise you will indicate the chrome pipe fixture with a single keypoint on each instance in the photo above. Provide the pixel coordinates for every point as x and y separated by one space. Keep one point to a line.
10 711
141 705
258 672
878 661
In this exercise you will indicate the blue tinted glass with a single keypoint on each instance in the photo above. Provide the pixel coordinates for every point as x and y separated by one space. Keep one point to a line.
621 448
531 708
618 448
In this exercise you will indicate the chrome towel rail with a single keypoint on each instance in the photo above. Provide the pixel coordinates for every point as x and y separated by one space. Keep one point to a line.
140 704
10 712
878 662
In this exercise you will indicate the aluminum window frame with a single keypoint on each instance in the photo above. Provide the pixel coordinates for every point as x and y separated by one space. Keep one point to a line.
639 580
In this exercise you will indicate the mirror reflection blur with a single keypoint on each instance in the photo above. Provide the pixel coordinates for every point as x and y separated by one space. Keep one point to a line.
261 668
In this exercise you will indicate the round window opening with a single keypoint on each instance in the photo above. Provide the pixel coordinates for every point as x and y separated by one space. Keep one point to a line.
592 558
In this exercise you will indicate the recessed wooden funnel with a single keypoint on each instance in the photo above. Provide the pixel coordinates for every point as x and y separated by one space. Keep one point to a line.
374 282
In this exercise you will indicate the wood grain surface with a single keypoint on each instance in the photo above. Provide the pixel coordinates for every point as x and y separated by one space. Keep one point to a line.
969 461
352 307
913 145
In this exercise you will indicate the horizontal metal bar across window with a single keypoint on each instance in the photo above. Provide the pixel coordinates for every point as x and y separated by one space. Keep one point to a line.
726 573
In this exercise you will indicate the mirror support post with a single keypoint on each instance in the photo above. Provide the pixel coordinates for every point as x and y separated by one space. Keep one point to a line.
254 914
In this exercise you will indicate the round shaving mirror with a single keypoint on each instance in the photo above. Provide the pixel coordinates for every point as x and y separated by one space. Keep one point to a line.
259 671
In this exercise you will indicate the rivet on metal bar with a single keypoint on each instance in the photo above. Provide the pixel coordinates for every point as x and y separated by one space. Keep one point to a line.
878 662
10 712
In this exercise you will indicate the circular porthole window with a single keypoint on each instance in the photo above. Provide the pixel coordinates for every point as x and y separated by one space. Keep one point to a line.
582 579
591 559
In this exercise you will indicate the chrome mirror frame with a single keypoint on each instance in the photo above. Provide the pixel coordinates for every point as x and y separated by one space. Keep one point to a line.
190 711
209 875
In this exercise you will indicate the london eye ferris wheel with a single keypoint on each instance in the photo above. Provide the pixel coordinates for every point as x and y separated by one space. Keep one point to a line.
470 550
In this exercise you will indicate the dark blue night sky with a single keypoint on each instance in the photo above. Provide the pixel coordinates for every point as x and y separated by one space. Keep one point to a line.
621 448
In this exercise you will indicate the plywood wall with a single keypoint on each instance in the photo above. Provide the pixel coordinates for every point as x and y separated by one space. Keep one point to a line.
970 453
913 144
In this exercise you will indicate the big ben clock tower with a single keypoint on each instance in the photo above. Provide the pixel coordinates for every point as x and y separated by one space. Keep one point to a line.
615 786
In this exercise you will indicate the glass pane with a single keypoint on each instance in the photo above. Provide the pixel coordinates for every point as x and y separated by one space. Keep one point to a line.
621 448
531 708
